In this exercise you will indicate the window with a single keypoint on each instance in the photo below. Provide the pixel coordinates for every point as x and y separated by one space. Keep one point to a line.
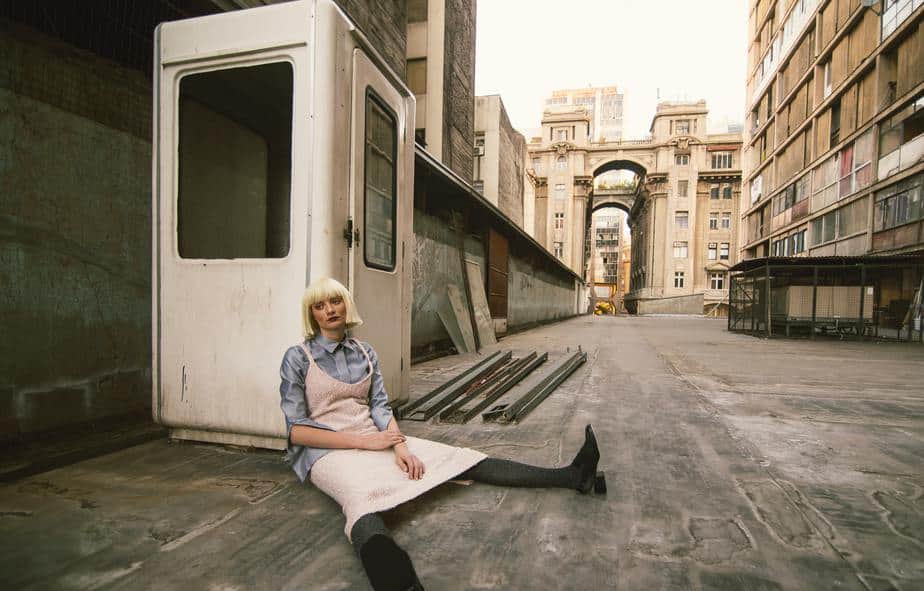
417 11
717 280
682 188
899 204
714 220
835 121
721 160
824 182
561 163
797 242
843 222
713 191
678 278
826 91
723 252
680 250
558 249
757 185
713 252
559 191
726 192
562 135
900 138
234 204
682 159
537 165
682 127
681 220
726 220
559 220
380 203
417 75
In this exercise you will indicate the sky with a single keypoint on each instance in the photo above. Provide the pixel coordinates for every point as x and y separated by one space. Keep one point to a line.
678 49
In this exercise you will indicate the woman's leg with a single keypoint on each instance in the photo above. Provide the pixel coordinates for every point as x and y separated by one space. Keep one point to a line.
387 565
578 475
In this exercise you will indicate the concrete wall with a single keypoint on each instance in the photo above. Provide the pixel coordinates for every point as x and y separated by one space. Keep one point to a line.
75 166
686 304
510 173
535 295
436 265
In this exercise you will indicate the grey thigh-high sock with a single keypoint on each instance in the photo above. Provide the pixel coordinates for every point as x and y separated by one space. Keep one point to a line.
510 473
387 565
365 527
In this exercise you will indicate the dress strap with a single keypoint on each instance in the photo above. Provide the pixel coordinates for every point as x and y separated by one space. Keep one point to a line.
366 353
307 354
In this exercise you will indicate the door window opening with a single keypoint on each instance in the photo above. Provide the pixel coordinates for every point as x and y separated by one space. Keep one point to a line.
234 163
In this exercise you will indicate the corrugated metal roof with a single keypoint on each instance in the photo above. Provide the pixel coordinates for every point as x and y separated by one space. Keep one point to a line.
834 261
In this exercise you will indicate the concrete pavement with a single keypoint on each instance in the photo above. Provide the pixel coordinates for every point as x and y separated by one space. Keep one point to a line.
732 463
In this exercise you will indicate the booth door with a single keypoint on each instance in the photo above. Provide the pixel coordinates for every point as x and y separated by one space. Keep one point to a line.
380 203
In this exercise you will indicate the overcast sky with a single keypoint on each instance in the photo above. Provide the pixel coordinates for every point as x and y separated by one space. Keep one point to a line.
684 49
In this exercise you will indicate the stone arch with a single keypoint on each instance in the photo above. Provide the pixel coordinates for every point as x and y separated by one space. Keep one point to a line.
621 163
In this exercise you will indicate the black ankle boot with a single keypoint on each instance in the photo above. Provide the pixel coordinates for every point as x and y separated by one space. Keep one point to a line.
586 462
388 566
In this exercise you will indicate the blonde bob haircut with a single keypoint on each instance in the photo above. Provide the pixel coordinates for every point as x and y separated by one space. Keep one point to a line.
320 290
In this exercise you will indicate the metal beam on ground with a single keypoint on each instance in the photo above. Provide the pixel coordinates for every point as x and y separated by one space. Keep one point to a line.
517 371
560 377
407 408
509 412
450 394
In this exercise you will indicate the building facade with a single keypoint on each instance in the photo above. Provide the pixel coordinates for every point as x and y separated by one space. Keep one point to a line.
604 106
499 158
441 74
834 136
605 245
683 222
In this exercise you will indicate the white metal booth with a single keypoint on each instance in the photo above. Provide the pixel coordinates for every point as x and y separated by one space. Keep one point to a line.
283 152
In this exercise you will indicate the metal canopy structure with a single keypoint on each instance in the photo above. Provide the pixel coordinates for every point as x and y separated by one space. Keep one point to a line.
858 297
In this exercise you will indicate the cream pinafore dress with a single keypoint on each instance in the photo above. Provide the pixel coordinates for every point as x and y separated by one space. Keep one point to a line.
365 481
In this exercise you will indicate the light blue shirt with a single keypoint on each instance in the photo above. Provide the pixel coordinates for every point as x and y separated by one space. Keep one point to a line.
343 361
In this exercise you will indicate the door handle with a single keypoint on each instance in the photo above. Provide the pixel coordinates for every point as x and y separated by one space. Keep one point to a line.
348 233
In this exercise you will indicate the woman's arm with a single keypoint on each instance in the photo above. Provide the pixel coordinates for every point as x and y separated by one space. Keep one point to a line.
314 437
305 432
407 461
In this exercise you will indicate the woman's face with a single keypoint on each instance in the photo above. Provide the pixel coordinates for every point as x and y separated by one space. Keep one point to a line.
330 314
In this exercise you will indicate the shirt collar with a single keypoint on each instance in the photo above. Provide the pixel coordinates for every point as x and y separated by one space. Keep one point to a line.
331 345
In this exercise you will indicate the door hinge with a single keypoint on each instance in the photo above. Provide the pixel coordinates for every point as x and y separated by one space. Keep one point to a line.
402 364
348 233
356 236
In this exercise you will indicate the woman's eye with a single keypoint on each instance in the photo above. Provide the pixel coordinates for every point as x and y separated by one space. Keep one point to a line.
336 301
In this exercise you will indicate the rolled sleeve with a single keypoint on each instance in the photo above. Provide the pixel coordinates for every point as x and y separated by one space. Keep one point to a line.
292 392
379 407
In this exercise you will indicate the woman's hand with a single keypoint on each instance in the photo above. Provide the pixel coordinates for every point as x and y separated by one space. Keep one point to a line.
408 462
381 440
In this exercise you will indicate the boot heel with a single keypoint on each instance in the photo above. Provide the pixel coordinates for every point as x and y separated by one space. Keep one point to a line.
600 483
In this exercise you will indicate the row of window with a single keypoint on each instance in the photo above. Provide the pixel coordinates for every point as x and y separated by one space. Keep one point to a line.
715 250
716 279
718 159
788 246
682 220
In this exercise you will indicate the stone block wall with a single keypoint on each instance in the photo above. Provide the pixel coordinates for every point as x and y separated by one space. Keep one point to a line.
384 22
459 87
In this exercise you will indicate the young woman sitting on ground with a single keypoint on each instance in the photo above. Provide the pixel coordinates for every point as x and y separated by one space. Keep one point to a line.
344 437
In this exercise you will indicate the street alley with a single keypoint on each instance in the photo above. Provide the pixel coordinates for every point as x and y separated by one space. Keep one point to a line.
732 463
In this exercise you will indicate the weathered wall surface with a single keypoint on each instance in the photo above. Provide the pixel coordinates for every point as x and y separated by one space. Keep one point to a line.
384 22
535 295
436 265
510 175
459 87
687 304
75 165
